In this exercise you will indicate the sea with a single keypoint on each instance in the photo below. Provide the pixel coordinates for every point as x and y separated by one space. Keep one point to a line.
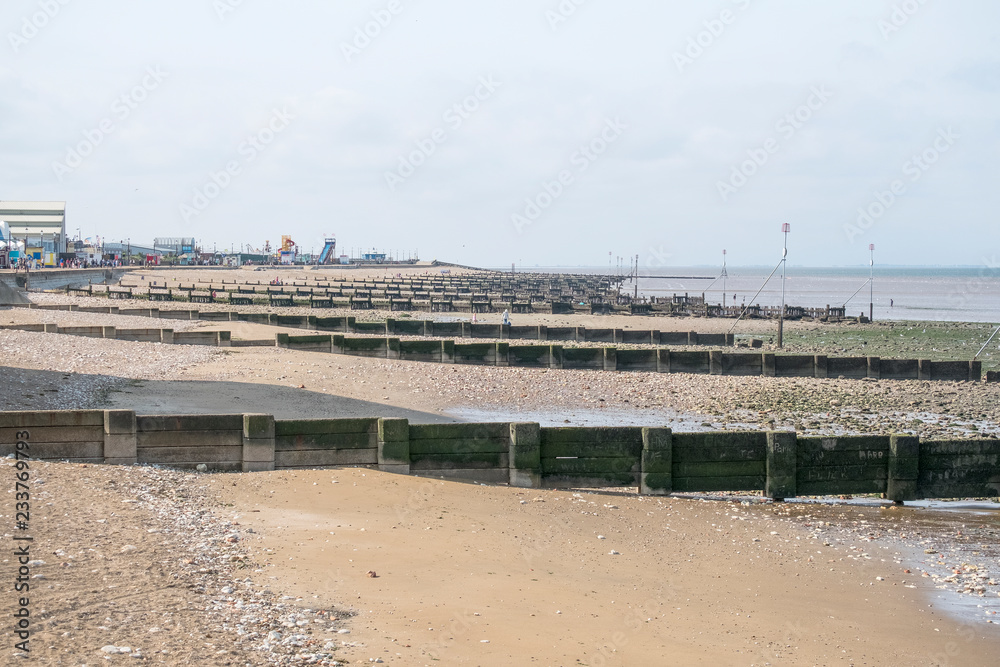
940 294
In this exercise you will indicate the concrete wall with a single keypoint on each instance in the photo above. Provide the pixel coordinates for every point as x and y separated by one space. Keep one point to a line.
49 279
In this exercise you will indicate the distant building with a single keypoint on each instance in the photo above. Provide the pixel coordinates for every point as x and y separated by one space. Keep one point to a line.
123 249
174 246
41 225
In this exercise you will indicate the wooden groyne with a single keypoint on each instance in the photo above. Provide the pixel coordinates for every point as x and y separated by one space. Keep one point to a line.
655 461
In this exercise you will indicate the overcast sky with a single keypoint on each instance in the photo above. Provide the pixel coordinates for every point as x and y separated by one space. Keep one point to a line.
524 131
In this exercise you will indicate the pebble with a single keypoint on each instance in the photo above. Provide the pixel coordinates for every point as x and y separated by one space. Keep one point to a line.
243 616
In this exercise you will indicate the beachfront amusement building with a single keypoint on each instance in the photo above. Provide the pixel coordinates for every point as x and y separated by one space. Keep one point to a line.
40 225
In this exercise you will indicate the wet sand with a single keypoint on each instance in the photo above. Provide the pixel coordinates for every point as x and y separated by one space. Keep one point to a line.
482 575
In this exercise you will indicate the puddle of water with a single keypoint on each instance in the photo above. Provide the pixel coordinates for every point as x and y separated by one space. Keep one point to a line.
980 507
955 543
678 421
946 596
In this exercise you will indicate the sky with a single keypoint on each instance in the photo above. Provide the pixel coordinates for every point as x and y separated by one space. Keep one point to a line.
540 132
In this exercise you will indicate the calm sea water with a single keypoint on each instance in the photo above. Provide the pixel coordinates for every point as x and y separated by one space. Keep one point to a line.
936 294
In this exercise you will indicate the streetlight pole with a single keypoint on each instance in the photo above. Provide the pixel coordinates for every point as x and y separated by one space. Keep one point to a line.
724 276
871 282
637 277
785 228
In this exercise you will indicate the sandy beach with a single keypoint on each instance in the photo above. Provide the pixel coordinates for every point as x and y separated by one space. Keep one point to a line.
354 566
500 334
490 575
